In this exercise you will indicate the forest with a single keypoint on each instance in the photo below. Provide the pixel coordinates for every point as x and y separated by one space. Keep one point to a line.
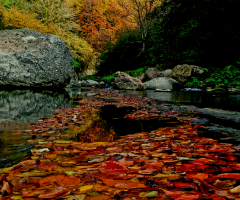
121 35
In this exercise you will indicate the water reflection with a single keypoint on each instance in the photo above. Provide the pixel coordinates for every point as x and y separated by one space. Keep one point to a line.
27 106
200 99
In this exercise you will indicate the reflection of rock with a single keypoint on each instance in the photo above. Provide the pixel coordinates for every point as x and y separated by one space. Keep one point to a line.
26 106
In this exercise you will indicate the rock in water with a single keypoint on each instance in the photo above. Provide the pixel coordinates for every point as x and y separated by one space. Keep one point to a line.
123 81
162 83
34 60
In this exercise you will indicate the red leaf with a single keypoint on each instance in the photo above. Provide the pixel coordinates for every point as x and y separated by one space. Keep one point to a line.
156 165
184 185
226 169
112 167
188 197
230 158
229 175
174 195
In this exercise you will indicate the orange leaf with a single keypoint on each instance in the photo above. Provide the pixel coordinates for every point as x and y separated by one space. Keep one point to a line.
200 176
61 180
55 192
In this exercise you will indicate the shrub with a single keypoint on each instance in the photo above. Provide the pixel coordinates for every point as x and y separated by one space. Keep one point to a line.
229 76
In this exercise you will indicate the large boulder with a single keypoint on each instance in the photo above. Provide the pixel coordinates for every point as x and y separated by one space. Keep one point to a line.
182 72
163 83
34 60
123 81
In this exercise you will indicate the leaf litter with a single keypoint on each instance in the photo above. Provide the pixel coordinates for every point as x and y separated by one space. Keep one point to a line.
166 163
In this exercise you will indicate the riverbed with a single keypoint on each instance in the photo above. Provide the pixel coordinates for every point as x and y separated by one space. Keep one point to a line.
20 108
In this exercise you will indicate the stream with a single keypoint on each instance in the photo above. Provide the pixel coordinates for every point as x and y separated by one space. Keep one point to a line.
19 108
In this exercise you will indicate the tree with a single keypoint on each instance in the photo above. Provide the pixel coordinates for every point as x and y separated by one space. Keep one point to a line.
139 10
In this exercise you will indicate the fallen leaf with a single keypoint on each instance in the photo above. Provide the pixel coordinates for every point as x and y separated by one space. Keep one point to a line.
61 180
52 193
148 195
199 176
112 167
229 175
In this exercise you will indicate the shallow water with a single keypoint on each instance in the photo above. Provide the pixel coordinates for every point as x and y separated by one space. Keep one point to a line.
19 108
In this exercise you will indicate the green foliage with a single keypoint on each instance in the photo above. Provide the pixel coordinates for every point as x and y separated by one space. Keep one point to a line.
21 4
76 63
229 76
137 72
194 83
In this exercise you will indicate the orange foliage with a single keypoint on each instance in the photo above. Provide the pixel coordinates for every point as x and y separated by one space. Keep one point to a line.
100 19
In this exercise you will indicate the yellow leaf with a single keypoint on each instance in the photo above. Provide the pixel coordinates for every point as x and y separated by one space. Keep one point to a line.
85 188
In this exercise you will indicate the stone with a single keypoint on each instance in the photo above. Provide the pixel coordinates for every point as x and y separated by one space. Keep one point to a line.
165 73
161 90
73 84
152 73
123 81
92 82
141 78
30 59
182 72
162 83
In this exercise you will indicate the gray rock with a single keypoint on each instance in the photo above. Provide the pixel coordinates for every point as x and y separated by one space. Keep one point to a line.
140 77
91 82
182 72
165 73
152 73
34 60
73 84
124 81
162 83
